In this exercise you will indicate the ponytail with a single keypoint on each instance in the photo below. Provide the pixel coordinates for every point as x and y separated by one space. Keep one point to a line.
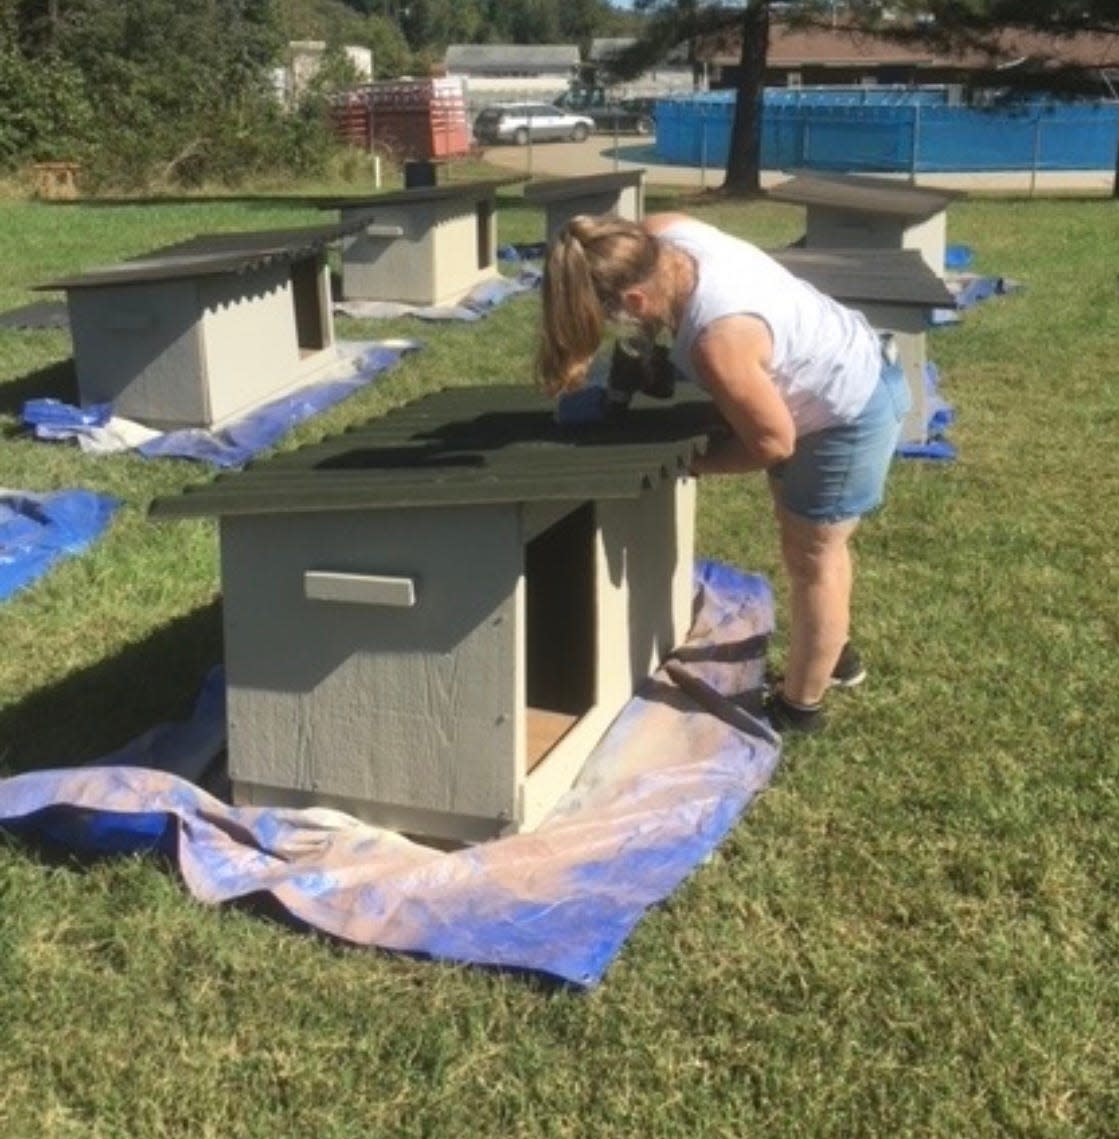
591 262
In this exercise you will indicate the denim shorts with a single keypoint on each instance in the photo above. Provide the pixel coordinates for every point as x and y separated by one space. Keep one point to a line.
840 472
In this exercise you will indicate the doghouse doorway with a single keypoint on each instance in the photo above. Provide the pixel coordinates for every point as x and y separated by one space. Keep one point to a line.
561 645
310 306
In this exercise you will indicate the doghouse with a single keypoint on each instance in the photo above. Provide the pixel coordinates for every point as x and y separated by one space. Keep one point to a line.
430 245
894 289
856 212
431 620
204 331
621 192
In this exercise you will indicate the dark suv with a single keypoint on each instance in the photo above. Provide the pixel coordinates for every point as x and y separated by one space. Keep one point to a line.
626 116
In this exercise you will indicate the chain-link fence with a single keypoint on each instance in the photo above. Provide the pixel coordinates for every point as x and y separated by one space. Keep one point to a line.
897 133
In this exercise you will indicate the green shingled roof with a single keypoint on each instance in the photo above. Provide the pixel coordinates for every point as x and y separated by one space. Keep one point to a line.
212 254
868 276
865 195
557 189
465 446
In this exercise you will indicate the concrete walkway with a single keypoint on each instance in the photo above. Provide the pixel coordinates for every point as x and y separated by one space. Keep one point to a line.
598 155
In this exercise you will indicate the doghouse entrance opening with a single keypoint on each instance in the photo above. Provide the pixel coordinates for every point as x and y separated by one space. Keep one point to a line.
560 643
306 295
485 233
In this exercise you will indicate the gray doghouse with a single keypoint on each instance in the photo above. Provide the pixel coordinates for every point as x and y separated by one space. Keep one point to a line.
621 192
895 290
857 212
204 331
430 621
425 246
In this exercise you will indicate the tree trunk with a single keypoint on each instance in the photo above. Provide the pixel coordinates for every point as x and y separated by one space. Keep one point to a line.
745 157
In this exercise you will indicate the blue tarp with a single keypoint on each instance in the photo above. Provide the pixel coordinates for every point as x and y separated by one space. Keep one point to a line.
519 252
236 444
38 529
660 791
941 416
239 442
957 257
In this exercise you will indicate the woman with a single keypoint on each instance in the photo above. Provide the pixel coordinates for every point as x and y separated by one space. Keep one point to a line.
800 379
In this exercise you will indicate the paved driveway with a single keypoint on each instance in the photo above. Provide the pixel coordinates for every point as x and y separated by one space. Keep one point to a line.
599 154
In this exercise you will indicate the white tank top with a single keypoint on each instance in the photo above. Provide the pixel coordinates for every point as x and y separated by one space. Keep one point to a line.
826 358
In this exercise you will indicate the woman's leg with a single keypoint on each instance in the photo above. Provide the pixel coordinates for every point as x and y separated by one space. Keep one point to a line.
817 559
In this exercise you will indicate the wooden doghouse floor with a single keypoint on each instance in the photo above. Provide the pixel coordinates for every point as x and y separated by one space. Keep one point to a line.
544 730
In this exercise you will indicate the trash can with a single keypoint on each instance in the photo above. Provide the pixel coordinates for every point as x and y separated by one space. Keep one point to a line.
419 174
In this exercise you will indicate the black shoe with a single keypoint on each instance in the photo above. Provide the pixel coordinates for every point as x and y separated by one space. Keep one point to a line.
784 716
849 670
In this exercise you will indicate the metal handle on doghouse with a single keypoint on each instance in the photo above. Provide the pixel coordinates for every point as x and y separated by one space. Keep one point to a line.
360 588
375 229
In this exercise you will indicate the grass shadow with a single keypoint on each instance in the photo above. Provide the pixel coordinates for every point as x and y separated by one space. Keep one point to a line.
95 710
56 381
251 201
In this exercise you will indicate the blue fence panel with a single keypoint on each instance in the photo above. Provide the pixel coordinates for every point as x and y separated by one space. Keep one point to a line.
783 138
895 134
881 142
1080 138
969 139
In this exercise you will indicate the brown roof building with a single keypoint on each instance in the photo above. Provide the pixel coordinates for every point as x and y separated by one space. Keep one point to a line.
836 56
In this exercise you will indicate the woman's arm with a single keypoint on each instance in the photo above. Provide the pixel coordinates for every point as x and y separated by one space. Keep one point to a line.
732 358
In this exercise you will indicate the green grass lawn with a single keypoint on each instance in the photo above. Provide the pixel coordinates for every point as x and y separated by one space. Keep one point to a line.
915 931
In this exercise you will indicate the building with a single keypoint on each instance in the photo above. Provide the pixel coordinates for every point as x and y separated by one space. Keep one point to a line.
305 60
496 73
809 57
674 75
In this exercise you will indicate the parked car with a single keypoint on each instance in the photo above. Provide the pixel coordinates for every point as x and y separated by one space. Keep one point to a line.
626 116
520 122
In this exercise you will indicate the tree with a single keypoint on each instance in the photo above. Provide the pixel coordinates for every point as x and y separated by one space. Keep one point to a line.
360 23
981 25
144 92
674 22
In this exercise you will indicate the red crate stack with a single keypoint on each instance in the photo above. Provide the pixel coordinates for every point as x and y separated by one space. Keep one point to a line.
412 118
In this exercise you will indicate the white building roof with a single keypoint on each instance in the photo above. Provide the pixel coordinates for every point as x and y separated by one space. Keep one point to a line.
506 59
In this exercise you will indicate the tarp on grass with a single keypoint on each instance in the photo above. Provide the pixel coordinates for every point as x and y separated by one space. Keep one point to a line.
969 289
480 301
36 530
664 786
98 431
942 415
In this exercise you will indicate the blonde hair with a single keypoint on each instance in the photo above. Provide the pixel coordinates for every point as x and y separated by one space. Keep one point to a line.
590 264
